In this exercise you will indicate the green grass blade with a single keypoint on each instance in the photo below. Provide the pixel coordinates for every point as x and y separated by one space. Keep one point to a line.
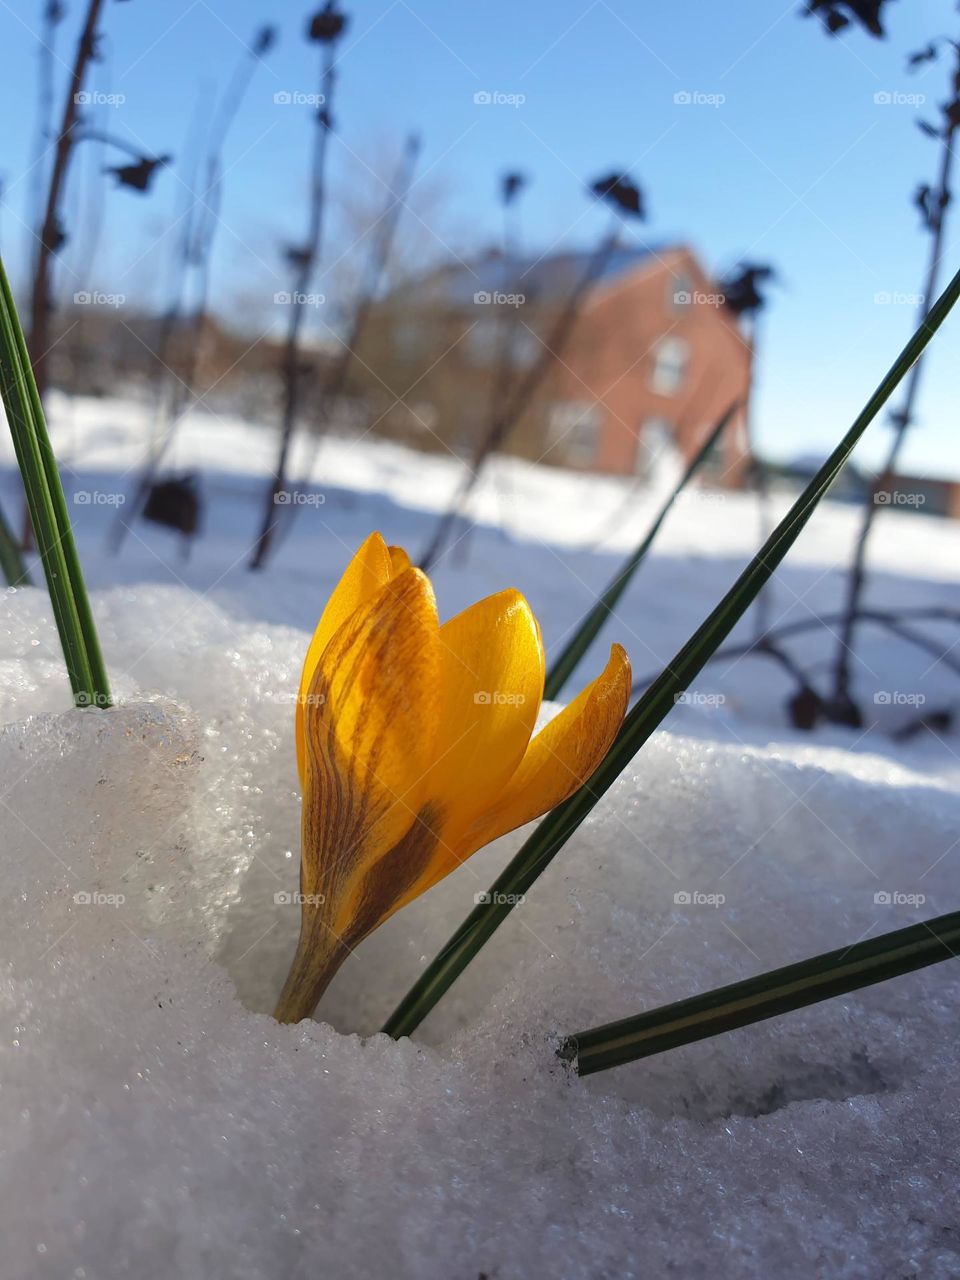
653 705
768 994
11 561
48 511
592 623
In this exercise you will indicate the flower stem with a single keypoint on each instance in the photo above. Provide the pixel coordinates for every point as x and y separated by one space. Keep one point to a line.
319 955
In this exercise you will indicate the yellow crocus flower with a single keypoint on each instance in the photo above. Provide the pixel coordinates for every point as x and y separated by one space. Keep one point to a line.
415 749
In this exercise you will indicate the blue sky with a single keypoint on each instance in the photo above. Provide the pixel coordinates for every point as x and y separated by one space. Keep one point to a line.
784 155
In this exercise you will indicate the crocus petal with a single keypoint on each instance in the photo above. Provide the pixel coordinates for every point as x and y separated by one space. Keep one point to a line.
491 684
368 571
369 722
563 755
399 560
560 759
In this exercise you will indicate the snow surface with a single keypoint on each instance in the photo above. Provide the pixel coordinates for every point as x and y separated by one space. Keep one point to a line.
156 1122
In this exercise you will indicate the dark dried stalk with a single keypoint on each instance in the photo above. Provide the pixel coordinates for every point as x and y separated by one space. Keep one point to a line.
504 371
53 14
201 221
892 620
51 230
902 419
335 381
506 416
305 263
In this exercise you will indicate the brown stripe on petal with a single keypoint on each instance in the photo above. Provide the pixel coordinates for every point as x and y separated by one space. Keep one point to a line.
339 808
394 874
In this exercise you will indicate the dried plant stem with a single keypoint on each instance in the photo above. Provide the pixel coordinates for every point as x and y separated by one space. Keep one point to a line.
768 644
306 265
41 303
335 381
201 221
902 420
50 230
506 416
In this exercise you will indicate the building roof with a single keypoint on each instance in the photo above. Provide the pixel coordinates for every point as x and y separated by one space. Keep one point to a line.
539 278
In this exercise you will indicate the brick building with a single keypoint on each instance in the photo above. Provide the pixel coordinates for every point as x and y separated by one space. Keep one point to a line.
653 359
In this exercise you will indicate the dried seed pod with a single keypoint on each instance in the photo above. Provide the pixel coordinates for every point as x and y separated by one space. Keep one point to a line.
327 24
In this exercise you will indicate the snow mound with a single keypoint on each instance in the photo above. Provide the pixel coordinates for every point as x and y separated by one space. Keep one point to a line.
158 1123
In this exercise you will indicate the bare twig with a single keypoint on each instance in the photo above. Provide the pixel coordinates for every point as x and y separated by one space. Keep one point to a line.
506 415
51 230
201 220
768 644
303 259
335 381
934 203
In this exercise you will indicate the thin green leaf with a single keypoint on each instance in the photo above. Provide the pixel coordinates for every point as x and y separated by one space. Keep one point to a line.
592 623
11 561
652 707
48 510
780 991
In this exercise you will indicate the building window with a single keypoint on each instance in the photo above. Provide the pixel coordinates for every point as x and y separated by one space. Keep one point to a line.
575 429
486 338
655 446
669 366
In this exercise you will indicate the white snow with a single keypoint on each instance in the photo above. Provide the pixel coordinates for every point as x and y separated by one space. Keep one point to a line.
156 1122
